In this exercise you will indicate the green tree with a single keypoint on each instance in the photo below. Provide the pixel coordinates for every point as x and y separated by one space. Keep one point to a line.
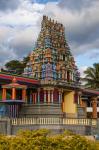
26 60
92 76
15 66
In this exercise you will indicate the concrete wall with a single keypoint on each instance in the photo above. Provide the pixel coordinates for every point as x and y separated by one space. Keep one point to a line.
83 130
55 128
5 126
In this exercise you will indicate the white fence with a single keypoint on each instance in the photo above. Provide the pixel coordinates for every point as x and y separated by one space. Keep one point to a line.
53 121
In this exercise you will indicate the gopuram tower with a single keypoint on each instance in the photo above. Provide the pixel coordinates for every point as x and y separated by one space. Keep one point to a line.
52 63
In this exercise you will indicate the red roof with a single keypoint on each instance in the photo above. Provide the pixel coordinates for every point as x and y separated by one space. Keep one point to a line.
19 78
14 84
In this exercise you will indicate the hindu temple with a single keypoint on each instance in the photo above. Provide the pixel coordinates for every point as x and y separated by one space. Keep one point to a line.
52 63
48 94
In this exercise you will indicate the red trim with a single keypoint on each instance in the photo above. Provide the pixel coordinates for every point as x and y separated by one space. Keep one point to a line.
22 79
90 91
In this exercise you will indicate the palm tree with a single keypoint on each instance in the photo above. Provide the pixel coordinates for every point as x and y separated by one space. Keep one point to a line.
92 76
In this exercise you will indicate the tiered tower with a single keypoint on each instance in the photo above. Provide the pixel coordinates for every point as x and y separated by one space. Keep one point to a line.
52 63
51 59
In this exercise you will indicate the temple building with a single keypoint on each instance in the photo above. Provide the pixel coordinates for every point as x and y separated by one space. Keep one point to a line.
49 93
52 63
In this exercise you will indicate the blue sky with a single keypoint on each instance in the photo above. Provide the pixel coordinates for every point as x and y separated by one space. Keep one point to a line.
20 25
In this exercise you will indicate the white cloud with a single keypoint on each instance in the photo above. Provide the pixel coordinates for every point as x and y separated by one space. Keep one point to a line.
81 27
19 29
82 69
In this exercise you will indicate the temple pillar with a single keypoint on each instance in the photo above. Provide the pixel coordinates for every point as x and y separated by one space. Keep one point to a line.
31 98
23 94
4 94
63 106
66 75
13 93
94 106
48 96
38 96
35 97
51 96
44 96
59 97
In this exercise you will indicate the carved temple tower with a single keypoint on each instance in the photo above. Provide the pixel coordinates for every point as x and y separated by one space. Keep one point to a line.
52 63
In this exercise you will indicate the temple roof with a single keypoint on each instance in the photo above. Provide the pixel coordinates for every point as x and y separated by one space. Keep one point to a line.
14 84
5 77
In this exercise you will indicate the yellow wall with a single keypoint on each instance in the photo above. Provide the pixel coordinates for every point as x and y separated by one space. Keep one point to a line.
69 105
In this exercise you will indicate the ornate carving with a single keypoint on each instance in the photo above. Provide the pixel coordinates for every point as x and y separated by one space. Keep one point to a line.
52 55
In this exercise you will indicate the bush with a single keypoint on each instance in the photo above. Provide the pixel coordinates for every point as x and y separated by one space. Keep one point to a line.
42 140
4 143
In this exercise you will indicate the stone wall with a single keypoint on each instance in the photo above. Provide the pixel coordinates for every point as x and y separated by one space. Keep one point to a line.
83 130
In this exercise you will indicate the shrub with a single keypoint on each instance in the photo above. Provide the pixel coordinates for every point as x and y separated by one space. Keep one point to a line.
42 140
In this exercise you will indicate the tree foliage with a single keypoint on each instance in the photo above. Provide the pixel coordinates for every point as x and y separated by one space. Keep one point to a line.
25 60
16 66
43 140
92 76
